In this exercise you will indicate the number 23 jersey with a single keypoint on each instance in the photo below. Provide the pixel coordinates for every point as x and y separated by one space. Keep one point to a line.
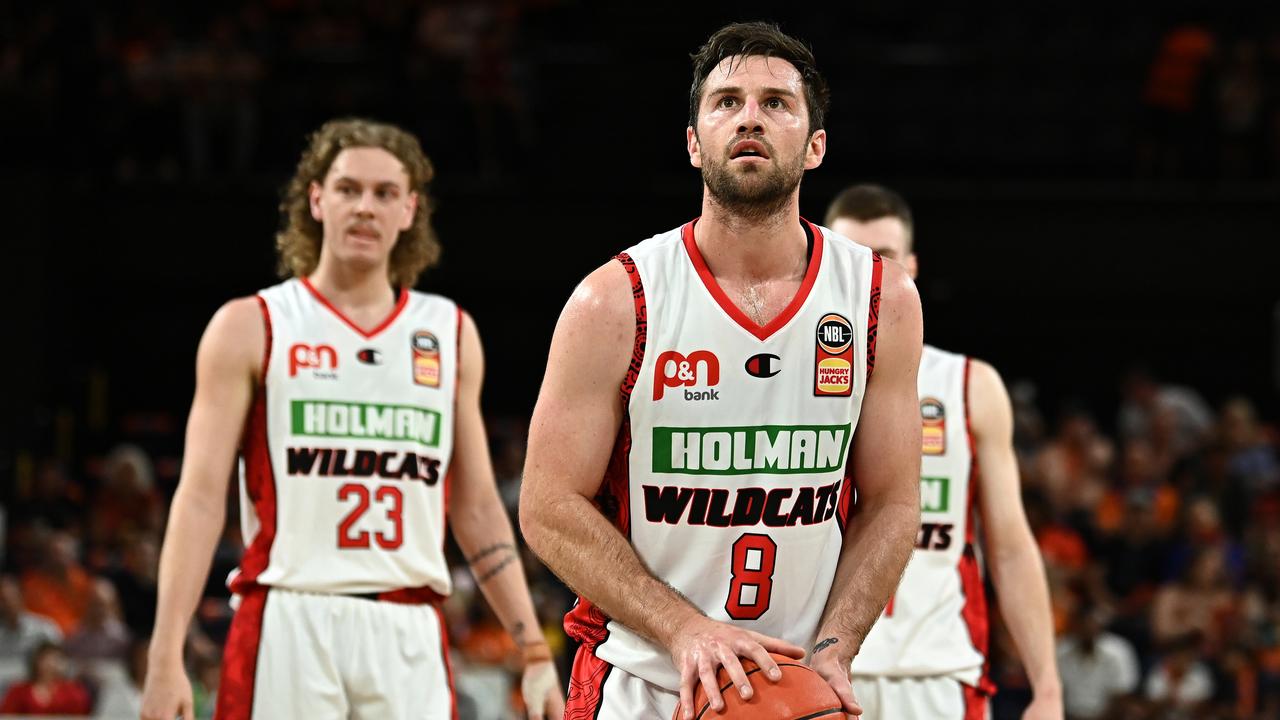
347 446
729 475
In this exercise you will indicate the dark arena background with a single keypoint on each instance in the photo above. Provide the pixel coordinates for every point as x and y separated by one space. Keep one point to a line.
1097 200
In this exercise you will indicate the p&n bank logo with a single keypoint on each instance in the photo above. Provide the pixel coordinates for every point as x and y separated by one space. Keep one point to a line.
320 358
676 370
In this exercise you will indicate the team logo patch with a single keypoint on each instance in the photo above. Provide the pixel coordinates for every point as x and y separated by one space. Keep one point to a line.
674 369
763 365
934 434
426 359
370 356
833 361
935 494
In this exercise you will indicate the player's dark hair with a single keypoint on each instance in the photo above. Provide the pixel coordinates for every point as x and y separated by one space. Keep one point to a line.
868 202
298 244
741 40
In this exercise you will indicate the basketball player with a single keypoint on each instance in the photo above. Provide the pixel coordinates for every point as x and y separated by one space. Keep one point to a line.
704 512
355 405
926 656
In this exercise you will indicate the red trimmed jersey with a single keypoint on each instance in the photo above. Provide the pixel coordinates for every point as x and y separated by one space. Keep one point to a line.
936 622
729 474
347 447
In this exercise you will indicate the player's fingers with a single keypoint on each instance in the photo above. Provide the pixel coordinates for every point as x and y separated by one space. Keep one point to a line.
737 675
757 653
782 647
707 674
687 679
187 709
845 693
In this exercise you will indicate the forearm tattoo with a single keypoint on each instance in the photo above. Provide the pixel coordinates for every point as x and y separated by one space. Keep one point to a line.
823 645
489 551
491 572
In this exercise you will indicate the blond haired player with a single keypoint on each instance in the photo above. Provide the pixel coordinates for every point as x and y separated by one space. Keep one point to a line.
354 403
925 659
710 399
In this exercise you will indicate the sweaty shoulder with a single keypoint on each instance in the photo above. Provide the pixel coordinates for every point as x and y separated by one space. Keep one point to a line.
236 338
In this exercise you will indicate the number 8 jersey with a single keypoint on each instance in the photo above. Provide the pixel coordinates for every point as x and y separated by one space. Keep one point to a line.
347 445
729 475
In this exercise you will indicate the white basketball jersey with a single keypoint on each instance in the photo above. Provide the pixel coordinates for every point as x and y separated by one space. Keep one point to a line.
729 474
346 450
936 622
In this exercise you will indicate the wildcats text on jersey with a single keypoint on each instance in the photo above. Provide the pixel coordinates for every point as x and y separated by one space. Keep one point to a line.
775 507
768 449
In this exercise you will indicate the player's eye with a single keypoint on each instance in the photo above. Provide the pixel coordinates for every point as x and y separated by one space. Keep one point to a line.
775 103
347 190
727 101
387 194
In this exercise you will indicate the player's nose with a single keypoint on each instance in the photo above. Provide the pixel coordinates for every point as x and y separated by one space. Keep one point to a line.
750 121
365 206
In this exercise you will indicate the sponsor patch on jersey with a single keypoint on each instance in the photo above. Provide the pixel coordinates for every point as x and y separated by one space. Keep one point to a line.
934 433
833 361
764 449
370 356
935 494
426 359
317 358
763 365
323 418
674 369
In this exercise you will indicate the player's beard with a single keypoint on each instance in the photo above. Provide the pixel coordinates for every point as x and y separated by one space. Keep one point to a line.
750 193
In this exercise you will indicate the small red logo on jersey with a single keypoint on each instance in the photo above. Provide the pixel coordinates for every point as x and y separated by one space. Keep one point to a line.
674 370
302 355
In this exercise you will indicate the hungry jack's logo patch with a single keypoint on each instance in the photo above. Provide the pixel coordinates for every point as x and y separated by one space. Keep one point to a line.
833 357
934 433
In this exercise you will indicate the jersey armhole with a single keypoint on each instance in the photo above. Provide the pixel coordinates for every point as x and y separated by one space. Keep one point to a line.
642 327
873 312
267 338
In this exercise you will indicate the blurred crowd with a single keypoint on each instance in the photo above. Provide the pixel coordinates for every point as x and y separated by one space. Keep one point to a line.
1161 539
142 90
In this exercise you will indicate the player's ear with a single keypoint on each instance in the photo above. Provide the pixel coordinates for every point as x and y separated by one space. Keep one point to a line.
816 151
913 268
694 147
313 196
410 210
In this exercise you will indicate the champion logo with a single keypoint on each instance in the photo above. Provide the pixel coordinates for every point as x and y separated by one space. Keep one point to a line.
370 356
763 365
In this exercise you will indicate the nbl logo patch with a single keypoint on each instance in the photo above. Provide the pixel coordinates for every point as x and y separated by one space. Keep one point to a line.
426 359
934 433
833 357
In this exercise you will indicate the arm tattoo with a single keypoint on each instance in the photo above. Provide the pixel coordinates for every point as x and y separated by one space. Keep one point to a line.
488 551
488 574
517 634
824 645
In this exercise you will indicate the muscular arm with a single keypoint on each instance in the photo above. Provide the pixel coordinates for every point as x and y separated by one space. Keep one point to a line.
479 521
228 364
571 436
886 465
1011 551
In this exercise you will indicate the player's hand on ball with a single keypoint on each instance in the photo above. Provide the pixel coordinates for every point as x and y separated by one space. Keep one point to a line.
703 645
540 688
835 670
167 694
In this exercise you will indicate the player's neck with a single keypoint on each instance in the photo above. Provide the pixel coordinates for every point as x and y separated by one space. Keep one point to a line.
354 290
737 247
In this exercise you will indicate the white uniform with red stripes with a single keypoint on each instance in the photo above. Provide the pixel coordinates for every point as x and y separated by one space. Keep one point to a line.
925 657
345 457
729 475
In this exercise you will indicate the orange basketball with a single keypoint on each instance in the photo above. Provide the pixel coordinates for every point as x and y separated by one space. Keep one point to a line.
801 693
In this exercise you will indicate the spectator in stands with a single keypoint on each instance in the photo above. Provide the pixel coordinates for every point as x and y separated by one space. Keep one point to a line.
127 501
48 691
102 636
1200 604
1179 684
20 632
1072 467
1144 397
58 587
1251 460
135 582
121 696
1097 667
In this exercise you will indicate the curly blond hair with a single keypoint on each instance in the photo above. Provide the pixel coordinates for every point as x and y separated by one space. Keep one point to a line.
298 244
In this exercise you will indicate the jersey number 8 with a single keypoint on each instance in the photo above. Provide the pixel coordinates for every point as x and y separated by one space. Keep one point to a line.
751 585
